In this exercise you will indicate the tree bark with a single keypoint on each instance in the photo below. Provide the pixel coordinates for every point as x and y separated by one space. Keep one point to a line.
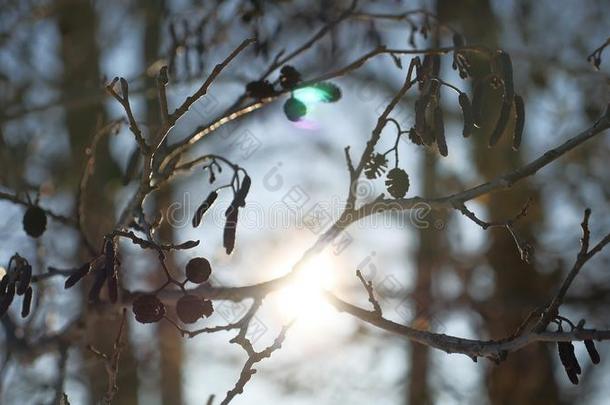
77 22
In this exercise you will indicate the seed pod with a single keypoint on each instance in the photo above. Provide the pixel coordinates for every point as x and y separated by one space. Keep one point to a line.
593 354
198 270
397 182
190 308
294 109
439 132
202 209
242 193
229 229
467 113
568 360
34 221
519 121
148 308
77 275
27 302
25 276
289 77
7 298
98 283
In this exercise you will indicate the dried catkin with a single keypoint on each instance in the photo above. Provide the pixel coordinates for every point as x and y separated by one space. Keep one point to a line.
568 360
204 207
439 131
229 229
519 121
593 354
27 302
467 113
477 104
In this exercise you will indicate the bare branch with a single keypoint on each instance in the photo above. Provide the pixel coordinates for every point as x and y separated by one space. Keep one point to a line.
583 257
368 286
204 87
123 99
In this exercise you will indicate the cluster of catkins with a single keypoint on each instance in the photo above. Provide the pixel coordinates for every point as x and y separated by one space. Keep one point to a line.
397 180
231 213
569 360
17 280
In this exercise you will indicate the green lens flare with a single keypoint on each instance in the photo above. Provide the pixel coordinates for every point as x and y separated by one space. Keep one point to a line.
311 95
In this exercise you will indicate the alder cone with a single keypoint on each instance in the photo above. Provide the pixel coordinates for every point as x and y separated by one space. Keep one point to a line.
34 221
148 308
375 166
260 89
191 308
289 77
397 182
198 270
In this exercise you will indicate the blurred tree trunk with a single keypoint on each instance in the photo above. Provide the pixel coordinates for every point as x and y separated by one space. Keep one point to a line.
526 377
427 259
169 341
80 55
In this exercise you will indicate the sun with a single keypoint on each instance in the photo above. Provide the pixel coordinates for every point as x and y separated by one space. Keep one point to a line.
302 299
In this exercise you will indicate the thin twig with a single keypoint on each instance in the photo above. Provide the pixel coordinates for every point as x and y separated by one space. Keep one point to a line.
368 286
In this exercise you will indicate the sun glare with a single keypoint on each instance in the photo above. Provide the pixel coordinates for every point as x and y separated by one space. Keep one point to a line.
302 299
